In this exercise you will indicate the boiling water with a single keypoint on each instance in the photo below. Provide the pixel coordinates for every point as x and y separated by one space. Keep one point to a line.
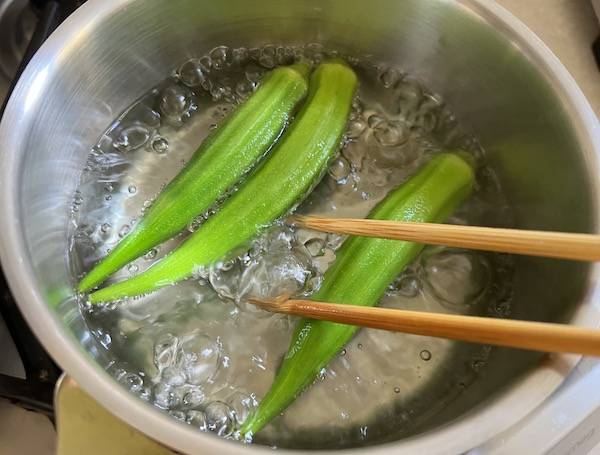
199 351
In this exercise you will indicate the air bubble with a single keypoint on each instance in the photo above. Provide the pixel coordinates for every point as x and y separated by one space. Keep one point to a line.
199 357
205 63
396 389
219 57
165 352
178 415
322 373
502 309
425 355
193 397
150 255
132 189
242 406
124 231
160 145
218 91
131 138
244 88
374 120
355 154
174 377
285 55
227 266
332 53
197 419
389 134
390 77
195 223
142 114
163 396
192 74
225 281
426 119
254 74
175 102
410 95
254 53
357 109
105 228
268 56
339 169
407 285
132 269
220 418
240 56
133 382
258 362
356 129
78 199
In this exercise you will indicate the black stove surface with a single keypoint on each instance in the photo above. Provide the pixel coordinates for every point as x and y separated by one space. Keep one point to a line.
35 391
29 380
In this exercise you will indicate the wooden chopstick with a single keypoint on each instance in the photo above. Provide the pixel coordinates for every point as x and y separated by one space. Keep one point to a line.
583 247
537 336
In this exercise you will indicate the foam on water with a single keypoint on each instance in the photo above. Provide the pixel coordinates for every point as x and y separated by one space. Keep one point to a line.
199 350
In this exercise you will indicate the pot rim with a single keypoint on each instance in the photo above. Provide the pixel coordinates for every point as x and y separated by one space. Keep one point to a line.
478 424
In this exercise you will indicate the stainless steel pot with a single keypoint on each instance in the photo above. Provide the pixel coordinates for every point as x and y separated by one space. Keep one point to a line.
502 82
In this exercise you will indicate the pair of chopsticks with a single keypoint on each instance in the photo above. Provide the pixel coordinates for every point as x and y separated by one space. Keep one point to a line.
537 336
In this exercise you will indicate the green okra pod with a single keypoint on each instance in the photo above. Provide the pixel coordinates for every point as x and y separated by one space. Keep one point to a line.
283 180
362 271
220 162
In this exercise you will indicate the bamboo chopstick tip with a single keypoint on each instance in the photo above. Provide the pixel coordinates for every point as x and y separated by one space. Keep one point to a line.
274 305
268 305
295 220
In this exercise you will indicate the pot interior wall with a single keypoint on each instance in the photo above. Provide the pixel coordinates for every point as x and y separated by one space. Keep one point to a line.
494 86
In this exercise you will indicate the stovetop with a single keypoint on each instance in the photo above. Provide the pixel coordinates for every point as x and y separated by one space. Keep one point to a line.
17 23
27 373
